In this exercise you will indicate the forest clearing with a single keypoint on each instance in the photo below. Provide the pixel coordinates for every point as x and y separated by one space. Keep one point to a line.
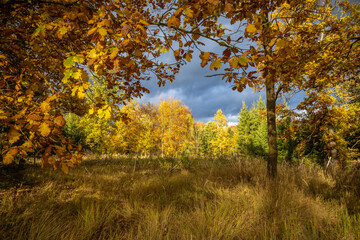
218 198
84 156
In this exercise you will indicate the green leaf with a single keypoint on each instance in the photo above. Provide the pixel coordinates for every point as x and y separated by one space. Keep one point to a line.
243 60
215 64
67 75
40 29
69 62
63 30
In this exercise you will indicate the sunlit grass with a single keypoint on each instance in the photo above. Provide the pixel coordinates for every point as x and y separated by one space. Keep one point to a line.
213 199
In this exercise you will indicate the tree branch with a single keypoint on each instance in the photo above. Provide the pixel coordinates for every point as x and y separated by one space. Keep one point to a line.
9 2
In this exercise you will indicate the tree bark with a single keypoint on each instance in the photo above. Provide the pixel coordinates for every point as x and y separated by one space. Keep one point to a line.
269 76
271 124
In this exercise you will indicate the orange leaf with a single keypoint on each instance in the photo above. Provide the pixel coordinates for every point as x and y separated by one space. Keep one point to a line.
45 106
114 53
64 168
189 13
215 64
173 21
59 120
228 7
176 52
188 57
214 2
205 58
13 135
44 129
10 155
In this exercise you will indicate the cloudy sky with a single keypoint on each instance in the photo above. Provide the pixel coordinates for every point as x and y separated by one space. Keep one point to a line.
203 95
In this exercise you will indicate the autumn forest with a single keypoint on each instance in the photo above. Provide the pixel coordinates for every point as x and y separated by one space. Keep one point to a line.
83 158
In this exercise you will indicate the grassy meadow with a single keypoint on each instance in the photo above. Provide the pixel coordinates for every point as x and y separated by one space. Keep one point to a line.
109 198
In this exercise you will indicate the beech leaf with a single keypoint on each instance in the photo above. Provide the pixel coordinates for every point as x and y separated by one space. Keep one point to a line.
13 135
44 129
59 120
102 31
10 155
251 28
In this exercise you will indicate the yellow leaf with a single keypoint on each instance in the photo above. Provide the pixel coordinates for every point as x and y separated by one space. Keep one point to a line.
144 22
10 155
281 43
59 120
45 106
63 30
272 42
189 13
92 53
188 57
243 60
142 29
44 129
13 135
81 92
206 55
215 64
234 63
107 114
91 31
164 50
77 75
286 5
64 168
205 58
102 31
173 21
114 53
251 28
28 145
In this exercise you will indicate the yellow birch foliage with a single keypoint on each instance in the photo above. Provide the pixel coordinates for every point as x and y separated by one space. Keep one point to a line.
175 123
221 144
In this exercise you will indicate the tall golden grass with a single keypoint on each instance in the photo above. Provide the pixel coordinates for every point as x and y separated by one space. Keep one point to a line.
107 198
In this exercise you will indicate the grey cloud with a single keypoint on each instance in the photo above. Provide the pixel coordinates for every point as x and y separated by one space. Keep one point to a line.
203 95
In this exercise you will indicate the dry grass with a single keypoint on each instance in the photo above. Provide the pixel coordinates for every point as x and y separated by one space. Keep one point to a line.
227 199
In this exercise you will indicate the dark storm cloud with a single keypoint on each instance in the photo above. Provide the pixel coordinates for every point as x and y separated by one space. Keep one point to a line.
203 95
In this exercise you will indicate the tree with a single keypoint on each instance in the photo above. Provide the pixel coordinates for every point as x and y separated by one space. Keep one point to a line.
47 50
53 45
244 129
199 128
252 130
221 143
175 122
286 35
208 136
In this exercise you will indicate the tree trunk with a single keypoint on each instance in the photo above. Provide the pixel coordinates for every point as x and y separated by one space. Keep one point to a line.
269 76
271 124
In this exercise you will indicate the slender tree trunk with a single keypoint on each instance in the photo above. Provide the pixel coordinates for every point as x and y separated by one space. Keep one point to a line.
271 124
269 76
